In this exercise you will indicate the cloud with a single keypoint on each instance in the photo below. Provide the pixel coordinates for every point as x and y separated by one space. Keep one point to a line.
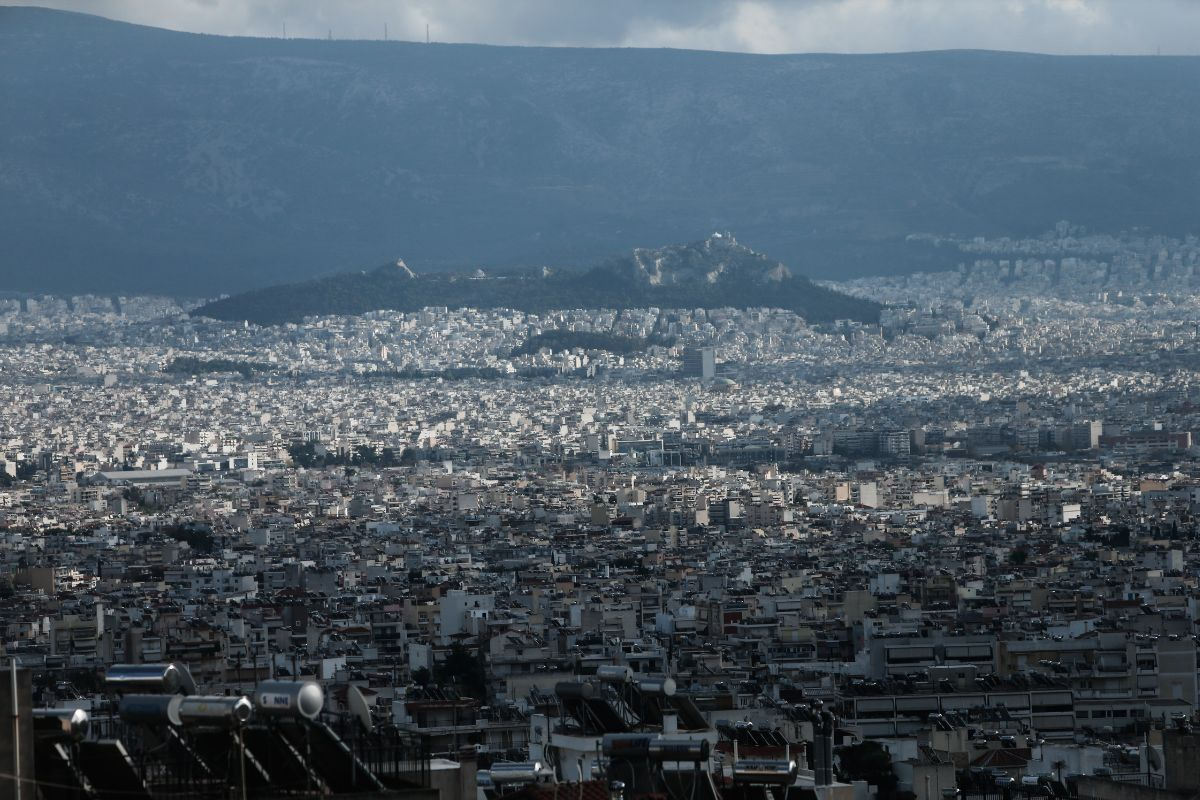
758 26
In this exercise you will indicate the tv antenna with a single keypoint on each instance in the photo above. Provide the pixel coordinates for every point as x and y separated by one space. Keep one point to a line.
385 32
285 30
426 33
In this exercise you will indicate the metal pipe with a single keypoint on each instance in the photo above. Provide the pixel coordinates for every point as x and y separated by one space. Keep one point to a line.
818 753
242 759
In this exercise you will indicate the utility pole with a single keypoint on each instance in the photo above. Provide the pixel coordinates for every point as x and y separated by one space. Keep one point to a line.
16 730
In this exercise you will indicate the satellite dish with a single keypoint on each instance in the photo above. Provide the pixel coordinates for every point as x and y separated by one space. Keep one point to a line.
1153 759
359 708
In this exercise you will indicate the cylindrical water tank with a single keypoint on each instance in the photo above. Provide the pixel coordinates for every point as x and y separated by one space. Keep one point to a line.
215 711
678 749
70 722
574 690
626 745
515 771
764 771
289 699
156 678
658 686
611 673
151 709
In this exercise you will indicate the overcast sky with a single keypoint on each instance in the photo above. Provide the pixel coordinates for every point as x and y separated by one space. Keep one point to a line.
761 26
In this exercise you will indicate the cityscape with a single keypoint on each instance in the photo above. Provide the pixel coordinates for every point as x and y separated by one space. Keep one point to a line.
738 400
967 532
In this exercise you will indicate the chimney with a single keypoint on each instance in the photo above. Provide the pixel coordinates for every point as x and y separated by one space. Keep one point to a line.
828 724
818 752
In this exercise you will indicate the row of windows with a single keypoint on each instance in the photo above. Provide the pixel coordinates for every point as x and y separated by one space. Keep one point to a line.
1116 713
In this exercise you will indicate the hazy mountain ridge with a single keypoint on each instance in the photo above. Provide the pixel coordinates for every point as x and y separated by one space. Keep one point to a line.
138 159
713 273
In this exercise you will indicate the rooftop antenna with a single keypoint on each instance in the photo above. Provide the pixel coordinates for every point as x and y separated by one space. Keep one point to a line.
285 30
426 33
385 31
331 34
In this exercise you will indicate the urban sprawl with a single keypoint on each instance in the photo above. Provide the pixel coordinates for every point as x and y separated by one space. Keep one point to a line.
954 552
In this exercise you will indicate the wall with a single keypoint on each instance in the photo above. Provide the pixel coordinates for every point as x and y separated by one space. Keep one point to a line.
1181 757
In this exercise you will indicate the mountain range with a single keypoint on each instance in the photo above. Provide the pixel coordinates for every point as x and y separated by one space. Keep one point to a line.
715 272
140 159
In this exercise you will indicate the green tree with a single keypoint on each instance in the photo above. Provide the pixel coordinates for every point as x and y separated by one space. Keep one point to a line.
869 762
463 669
304 454
198 538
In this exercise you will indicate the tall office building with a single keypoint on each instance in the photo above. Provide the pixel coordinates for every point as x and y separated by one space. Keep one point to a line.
700 362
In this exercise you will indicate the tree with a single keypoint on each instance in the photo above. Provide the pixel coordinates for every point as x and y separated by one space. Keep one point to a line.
1018 557
465 670
199 538
422 676
869 762
304 454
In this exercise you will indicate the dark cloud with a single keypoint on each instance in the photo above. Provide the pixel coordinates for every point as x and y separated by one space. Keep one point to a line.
1054 26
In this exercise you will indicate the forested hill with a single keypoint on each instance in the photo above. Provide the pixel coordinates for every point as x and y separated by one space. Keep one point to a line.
713 273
